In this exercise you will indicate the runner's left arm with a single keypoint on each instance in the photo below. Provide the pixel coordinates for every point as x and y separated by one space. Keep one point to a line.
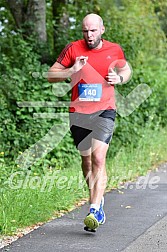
120 75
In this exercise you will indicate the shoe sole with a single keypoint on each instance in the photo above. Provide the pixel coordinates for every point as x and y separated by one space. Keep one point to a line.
91 222
89 230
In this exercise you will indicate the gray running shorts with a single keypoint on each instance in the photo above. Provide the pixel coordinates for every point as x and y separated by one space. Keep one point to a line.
98 125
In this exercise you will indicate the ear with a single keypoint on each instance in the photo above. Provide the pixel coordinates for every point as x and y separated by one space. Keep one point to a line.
102 29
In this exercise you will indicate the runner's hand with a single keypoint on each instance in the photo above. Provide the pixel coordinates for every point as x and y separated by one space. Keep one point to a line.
79 63
113 78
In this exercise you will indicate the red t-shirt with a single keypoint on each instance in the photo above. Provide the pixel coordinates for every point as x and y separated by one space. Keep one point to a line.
94 72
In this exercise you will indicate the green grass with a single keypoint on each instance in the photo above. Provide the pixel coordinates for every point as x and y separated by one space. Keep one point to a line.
32 200
130 162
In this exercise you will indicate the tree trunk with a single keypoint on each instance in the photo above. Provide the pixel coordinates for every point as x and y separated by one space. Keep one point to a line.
36 18
17 11
61 18
31 16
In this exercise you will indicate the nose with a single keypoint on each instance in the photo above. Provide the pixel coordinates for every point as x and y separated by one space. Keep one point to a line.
89 34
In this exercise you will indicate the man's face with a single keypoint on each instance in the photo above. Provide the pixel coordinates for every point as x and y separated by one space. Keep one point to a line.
92 32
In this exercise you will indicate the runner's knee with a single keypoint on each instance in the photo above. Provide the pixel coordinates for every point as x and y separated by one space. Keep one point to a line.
98 160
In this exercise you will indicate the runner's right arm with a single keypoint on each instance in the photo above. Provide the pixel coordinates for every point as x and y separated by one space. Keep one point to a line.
59 73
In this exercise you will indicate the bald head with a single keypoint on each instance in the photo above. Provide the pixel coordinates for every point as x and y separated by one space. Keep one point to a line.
94 18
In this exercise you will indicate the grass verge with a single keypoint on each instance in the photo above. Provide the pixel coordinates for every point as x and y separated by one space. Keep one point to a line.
130 162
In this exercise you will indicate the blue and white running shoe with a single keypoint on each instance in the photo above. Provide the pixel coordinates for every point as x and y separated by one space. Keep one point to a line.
95 218
101 213
91 220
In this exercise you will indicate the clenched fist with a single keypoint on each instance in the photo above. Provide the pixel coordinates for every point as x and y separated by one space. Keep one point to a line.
113 78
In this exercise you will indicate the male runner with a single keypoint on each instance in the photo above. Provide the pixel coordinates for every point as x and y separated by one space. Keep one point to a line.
95 66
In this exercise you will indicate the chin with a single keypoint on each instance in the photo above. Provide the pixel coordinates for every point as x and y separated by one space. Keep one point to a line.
91 46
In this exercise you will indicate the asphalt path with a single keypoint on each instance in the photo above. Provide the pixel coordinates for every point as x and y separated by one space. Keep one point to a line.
136 221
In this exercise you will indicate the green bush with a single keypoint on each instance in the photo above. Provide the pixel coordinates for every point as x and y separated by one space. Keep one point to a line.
137 29
18 84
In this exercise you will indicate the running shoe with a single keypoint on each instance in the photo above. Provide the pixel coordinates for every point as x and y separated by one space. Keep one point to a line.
91 220
101 213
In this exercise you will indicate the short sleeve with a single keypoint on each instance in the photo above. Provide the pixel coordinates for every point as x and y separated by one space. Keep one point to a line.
65 57
121 58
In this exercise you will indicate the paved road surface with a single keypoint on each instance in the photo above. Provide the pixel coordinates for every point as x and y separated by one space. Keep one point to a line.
136 221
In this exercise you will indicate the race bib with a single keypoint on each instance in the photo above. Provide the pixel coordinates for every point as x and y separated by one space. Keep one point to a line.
89 92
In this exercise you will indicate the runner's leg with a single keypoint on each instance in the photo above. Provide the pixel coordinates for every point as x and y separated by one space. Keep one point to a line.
94 170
